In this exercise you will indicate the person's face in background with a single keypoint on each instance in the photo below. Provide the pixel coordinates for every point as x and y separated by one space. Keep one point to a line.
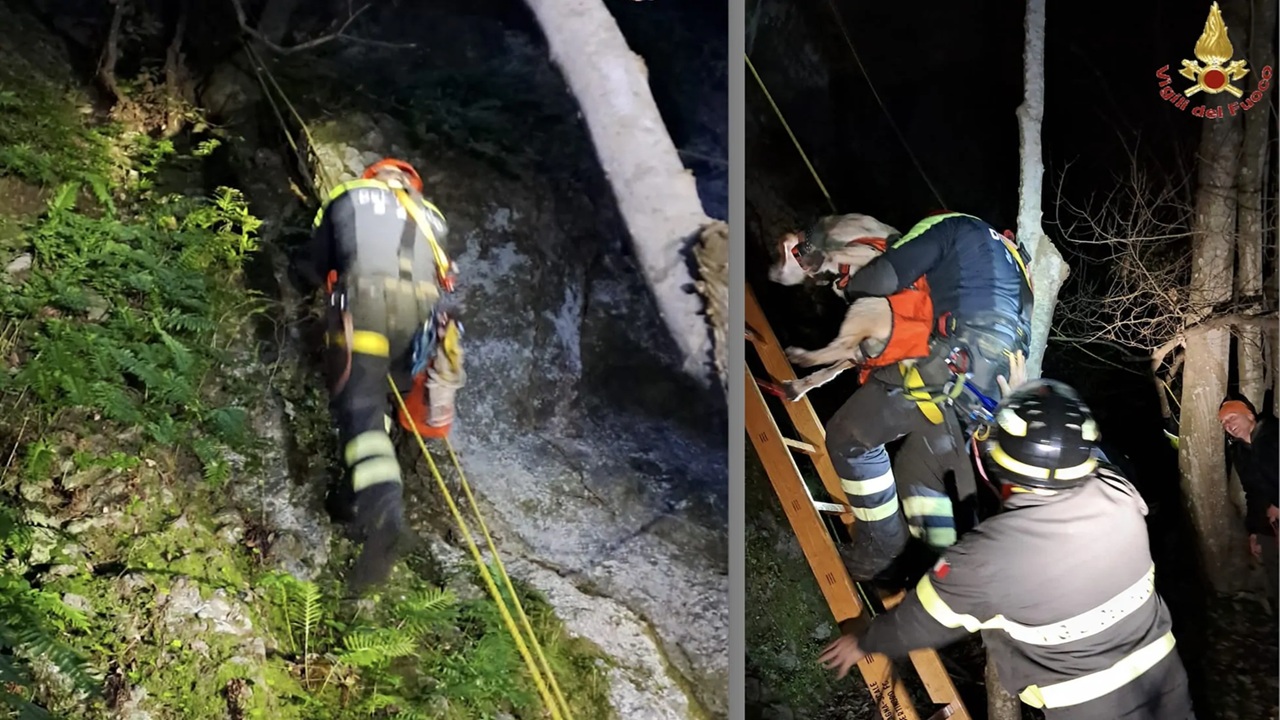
1238 425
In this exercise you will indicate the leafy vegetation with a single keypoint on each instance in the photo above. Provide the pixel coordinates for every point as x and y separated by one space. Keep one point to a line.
423 652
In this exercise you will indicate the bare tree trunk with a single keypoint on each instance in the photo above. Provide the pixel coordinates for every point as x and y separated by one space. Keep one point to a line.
177 92
1253 173
1000 704
1219 533
656 195
1048 269
111 54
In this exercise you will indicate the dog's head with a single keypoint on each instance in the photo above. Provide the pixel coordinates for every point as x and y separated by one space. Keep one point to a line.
786 268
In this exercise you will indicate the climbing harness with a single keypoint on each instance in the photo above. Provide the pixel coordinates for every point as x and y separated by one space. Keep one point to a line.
446 269
543 676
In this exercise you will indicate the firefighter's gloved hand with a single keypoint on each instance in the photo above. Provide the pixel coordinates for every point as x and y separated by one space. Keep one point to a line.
379 523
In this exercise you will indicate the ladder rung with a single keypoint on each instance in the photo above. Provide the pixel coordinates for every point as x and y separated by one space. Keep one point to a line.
814 535
832 508
803 447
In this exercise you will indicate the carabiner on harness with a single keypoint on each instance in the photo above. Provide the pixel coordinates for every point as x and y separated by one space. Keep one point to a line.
427 339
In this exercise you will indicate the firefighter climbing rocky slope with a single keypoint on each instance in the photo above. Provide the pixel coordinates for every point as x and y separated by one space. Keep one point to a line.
598 460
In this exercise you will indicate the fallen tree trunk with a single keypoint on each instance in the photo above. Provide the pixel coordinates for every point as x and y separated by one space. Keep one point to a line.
656 195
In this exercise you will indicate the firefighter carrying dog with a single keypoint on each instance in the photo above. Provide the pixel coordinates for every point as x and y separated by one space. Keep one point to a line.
378 248
981 302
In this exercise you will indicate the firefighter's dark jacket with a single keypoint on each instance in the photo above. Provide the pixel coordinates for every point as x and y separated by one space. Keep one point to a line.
1258 465
970 272
361 228
1062 587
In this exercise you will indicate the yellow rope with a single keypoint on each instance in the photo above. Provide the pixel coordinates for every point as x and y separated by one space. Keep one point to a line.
547 699
787 127
261 70
556 705
502 570
848 41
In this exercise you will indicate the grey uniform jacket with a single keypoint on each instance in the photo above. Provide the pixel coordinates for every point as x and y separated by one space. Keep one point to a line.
360 231
1062 587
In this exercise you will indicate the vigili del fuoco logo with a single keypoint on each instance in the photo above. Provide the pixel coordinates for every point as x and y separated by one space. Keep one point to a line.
1217 74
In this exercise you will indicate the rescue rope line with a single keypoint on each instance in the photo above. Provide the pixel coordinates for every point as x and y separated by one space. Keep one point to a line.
502 570
552 698
548 700
902 138
792 135
260 69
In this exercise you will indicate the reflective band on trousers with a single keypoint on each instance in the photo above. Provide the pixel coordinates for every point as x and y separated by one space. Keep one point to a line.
917 505
372 459
938 537
374 472
367 445
876 513
1086 624
870 486
930 518
864 492
1095 685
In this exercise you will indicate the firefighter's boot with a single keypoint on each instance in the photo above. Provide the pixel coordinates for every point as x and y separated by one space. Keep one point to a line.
876 544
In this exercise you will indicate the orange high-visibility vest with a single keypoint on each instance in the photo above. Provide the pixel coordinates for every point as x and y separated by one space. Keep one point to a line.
912 309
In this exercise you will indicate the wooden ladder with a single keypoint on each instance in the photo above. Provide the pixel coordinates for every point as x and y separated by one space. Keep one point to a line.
803 512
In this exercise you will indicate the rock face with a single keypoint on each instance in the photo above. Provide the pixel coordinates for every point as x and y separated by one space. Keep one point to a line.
574 427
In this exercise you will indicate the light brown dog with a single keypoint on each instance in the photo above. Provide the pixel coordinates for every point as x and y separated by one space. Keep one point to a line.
869 321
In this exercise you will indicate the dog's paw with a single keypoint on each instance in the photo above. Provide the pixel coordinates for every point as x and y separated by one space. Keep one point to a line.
799 356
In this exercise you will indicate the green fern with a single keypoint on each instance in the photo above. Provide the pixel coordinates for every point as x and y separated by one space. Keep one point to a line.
306 612
426 611
374 647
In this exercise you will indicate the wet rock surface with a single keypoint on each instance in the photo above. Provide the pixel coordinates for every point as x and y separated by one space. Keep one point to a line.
600 464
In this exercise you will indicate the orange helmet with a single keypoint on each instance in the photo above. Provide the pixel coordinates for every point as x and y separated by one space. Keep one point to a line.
392 164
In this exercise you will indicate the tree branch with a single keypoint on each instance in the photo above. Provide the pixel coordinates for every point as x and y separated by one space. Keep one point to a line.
1159 353
111 52
340 34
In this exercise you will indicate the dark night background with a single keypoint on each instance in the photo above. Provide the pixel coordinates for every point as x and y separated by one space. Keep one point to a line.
950 75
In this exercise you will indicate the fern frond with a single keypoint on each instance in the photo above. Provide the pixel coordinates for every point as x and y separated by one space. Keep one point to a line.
307 611
38 641
375 646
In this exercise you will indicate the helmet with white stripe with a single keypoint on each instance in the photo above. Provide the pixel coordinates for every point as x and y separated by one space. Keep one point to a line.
1044 437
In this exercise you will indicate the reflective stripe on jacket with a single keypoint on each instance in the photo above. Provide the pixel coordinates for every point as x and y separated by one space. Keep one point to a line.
1062 587
360 229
